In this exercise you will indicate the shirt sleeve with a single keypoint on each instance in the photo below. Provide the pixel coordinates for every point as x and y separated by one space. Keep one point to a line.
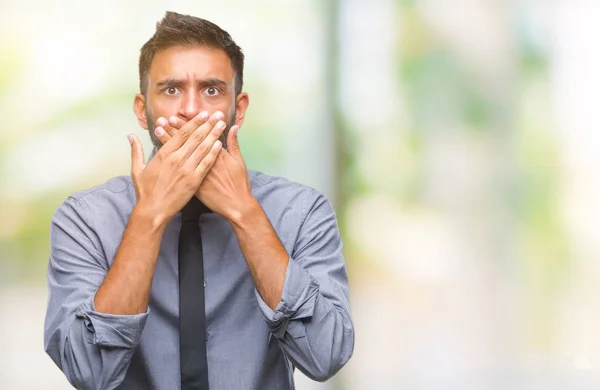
312 321
91 348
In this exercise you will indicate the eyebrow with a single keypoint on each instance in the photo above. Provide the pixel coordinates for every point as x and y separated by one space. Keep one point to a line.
204 83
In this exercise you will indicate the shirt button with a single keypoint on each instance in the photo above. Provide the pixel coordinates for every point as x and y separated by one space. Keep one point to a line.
204 283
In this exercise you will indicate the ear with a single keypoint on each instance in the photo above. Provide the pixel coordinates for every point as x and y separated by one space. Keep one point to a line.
241 104
139 108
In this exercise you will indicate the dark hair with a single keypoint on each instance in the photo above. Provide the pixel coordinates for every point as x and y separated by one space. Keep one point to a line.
184 30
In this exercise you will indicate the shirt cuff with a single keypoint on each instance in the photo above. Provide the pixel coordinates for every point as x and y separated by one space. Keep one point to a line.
110 330
298 298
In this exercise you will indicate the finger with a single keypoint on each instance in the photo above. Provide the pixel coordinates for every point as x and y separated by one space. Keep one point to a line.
233 146
164 123
176 122
199 152
162 135
202 122
188 129
208 161
137 155
169 128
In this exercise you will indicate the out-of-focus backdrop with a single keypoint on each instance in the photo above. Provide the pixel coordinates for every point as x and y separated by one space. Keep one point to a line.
457 139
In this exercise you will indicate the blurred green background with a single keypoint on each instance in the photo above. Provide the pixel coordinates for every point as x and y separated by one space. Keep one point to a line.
456 139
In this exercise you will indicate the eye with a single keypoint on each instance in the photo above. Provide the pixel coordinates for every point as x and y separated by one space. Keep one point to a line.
212 91
171 91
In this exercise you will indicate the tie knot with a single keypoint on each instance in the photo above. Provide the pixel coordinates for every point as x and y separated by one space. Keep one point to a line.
192 210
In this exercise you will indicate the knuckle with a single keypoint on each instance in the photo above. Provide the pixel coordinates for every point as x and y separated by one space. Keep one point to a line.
201 150
199 135
204 165
184 180
196 121
185 170
190 184
172 161
203 139
160 154
185 132
206 157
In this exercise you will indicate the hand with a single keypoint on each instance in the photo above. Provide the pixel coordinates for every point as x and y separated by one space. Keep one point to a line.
226 188
172 177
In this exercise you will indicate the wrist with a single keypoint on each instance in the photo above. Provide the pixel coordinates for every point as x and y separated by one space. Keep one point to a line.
147 218
245 213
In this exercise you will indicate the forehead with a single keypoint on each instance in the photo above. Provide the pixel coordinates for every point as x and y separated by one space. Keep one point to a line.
196 62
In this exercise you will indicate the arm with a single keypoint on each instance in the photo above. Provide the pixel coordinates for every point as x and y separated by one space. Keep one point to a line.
312 319
303 296
266 257
162 189
91 348
226 191
126 287
95 314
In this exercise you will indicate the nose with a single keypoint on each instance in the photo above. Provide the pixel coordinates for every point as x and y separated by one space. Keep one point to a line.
191 105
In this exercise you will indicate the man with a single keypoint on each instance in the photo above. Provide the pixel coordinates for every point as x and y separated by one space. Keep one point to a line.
266 289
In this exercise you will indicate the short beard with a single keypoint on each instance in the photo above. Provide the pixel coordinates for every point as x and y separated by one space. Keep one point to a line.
158 144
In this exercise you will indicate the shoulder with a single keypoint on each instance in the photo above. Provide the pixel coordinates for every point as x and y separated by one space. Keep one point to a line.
114 187
280 196
114 197
117 190
278 189
266 185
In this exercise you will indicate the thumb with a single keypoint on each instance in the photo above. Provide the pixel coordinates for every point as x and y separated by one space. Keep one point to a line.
233 146
137 155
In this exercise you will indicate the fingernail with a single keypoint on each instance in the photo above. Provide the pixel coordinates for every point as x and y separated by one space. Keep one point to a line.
130 138
161 121
204 115
173 120
220 125
159 131
219 115
236 130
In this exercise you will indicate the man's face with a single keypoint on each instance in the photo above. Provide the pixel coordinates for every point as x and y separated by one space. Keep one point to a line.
184 81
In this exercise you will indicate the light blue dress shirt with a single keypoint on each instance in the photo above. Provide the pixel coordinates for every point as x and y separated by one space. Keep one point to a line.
249 345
